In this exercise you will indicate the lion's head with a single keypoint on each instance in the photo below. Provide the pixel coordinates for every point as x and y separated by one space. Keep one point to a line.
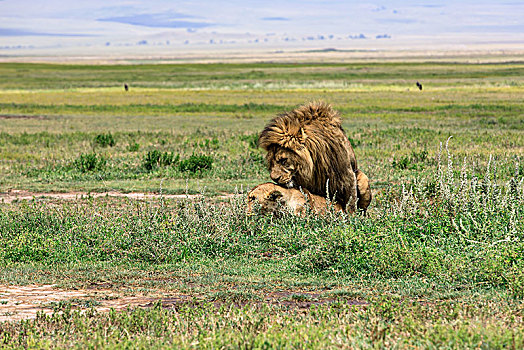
307 148
288 167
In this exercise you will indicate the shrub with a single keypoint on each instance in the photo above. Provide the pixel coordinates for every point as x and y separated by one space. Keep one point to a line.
419 157
196 163
401 164
410 162
105 140
253 141
208 144
156 158
133 147
354 143
168 159
256 158
90 162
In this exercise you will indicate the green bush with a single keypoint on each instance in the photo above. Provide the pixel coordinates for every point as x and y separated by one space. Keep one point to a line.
208 144
419 157
167 159
90 162
411 162
104 140
133 147
195 163
156 158
402 163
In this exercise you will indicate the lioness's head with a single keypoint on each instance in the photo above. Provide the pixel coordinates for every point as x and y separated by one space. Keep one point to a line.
267 195
275 199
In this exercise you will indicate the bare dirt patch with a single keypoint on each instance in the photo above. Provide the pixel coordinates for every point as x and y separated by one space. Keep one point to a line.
24 302
19 195
14 116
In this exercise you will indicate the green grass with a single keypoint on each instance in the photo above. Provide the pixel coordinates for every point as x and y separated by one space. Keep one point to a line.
453 229
440 265
439 261
385 323
48 76
384 126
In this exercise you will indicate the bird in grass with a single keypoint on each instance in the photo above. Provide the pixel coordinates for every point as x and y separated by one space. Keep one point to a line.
126 87
419 85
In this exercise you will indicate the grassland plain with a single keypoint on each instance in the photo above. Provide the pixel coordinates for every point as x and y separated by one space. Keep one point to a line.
218 109
438 263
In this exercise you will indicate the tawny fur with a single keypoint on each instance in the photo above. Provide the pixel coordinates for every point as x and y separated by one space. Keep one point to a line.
363 192
307 148
272 198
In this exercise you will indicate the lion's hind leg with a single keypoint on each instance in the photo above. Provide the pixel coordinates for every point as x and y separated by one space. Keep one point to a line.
363 192
351 204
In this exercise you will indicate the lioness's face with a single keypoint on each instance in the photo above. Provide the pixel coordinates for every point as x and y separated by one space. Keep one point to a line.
268 197
283 164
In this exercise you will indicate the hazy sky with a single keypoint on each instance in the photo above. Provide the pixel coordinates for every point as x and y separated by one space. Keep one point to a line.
58 22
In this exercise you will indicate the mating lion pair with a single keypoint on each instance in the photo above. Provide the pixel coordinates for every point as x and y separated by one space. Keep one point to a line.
308 155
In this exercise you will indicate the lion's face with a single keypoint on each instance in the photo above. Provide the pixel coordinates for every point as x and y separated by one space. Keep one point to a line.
284 166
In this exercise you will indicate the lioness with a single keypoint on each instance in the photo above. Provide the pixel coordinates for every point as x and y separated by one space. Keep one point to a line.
273 197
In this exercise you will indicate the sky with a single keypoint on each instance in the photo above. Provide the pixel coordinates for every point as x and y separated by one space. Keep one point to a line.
99 24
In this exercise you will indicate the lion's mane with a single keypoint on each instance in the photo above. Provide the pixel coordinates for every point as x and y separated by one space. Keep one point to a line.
314 132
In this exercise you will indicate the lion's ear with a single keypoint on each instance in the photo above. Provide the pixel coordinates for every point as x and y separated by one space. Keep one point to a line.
304 135
294 141
275 195
301 140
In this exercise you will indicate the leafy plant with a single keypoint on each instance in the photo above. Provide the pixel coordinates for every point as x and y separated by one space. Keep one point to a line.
196 163
401 163
90 162
133 147
354 143
208 144
156 158
419 157
411 161
104 140
251 139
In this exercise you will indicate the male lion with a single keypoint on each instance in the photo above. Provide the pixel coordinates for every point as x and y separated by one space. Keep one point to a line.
272 198
307 148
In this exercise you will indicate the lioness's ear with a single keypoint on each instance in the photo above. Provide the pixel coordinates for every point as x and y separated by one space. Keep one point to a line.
274 195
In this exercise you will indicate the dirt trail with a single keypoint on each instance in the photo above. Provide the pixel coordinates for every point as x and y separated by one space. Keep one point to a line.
18 195
15 116
24 302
